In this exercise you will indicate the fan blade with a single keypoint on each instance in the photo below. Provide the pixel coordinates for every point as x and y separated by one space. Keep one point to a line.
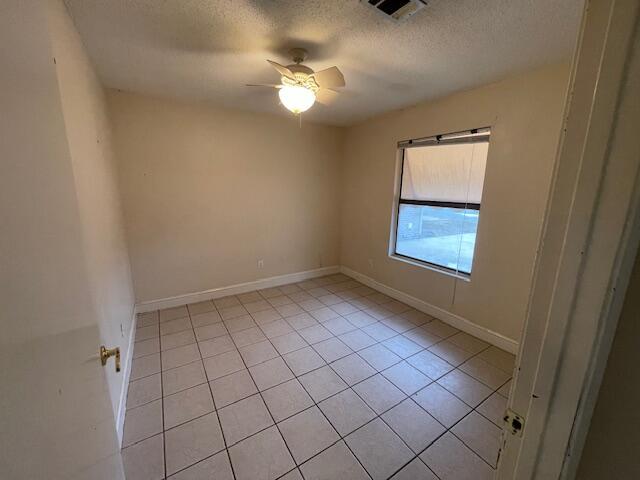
262 85
282 70
329 78
326 96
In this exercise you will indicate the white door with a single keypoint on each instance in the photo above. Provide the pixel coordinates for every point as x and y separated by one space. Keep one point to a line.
57 420
589 237
56 417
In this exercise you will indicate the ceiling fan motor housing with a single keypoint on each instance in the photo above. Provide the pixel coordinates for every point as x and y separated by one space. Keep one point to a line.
298 68
298 55
301 74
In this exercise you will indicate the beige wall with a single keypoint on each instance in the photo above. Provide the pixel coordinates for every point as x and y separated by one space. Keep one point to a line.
94 171
208 191
525 114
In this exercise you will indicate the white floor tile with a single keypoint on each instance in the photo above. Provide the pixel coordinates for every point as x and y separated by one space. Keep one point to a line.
144 366
289 342
210 331
402 346
216 467
223 364
407 378
450 352
258 353
216 346
303 360
336 462
177 357
415 470
184 377
206 318
187 405
322 383
144 391
430 364
200 307
450 459
332 349
415 426
144 460
379 393
146 347
270 373
346 411
352 369
231 388
248 336
307 433
499 358
286 399
244 418
441 404
479 434
380 450
191 442
465 387
493 408
175 340
379 357
263 456
175 326
486 373
142 422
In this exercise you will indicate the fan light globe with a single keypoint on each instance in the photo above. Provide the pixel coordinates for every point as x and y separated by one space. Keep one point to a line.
296 98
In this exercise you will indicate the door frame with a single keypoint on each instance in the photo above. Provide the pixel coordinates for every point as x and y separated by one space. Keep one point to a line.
590 238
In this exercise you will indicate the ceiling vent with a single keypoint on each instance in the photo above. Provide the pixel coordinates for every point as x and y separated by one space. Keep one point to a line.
396 9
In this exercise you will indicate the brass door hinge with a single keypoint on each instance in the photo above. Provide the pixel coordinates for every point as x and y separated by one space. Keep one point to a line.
105 353
514 423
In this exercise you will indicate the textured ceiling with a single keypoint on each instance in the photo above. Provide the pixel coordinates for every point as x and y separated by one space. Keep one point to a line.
208 49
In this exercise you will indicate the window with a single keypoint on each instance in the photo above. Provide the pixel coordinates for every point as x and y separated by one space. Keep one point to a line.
440 194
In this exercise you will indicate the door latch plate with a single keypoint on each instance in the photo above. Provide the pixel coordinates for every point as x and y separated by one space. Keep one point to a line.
514 423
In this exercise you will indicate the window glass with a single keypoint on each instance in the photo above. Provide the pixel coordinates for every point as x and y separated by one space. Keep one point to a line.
439 205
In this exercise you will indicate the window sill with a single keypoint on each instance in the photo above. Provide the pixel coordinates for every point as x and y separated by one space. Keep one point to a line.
428 266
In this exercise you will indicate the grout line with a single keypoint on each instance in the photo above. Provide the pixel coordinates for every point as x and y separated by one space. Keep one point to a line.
264 403
361 329
379 416
381 342
296 377
376 372
397 333
340 437
215 409
164 442
450 429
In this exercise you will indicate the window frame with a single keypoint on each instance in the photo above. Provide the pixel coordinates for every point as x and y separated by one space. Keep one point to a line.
476 135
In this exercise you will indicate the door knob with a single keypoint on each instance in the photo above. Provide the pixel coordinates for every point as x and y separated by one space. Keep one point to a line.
105 353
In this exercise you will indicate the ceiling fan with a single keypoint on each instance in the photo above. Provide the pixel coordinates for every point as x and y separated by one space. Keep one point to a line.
300 87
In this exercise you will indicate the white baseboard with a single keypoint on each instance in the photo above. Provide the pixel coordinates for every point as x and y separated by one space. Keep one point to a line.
126 373
214 293
452 319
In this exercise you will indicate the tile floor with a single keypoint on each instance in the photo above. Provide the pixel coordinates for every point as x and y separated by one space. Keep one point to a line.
324 379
